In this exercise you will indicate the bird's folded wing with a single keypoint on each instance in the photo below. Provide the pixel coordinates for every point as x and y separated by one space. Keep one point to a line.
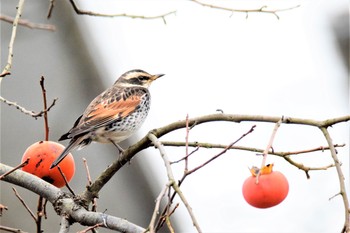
103 114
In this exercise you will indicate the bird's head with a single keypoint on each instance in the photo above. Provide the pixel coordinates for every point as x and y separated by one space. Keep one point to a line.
137 78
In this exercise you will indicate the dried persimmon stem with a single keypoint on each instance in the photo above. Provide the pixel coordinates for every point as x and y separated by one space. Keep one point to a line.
269 146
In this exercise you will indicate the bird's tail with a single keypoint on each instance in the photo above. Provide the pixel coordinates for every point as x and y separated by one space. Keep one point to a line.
72 144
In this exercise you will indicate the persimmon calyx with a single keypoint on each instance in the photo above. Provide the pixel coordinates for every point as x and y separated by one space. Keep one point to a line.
263 171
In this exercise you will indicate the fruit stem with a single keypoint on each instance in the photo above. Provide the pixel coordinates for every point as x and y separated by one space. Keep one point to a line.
269 146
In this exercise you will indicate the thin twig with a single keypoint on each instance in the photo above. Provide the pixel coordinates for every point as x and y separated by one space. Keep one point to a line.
51 6
157 206
39 214
257 10
186 157
87 171
25 111
28 24
221 153
15 168
10 229
189 172
186 146
65 181
94 201
208 145
6 70
171 179
2 207
167 219
91 228
283 154
46 122
91 13
44 210
305 168
24 204
341 179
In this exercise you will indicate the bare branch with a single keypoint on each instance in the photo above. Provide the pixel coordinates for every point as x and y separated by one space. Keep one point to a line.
2 207
25 111
83 12
91 228
262 9
46 121
208 145
6 70
24 204
92 191
10 229
156 207
15 168
284 155
64 203
94 201
171 179
28 24
51 6
65 180
340 177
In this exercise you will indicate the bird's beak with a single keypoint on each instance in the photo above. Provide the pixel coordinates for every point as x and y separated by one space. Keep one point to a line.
156 76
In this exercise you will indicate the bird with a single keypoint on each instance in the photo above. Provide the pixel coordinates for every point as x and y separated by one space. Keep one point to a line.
114 115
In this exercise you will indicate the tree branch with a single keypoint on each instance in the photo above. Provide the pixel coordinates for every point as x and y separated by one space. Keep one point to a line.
6 70
341 178
28 112
171 179
9 229
64 203
28 24
257 10
83 12
208 145
93 190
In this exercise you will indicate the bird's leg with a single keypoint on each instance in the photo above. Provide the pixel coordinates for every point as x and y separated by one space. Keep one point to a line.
121 150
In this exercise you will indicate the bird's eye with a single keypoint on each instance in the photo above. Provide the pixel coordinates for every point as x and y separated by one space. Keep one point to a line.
143 78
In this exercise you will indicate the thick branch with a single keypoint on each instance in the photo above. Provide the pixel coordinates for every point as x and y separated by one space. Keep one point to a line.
64 203
32 183
68 207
